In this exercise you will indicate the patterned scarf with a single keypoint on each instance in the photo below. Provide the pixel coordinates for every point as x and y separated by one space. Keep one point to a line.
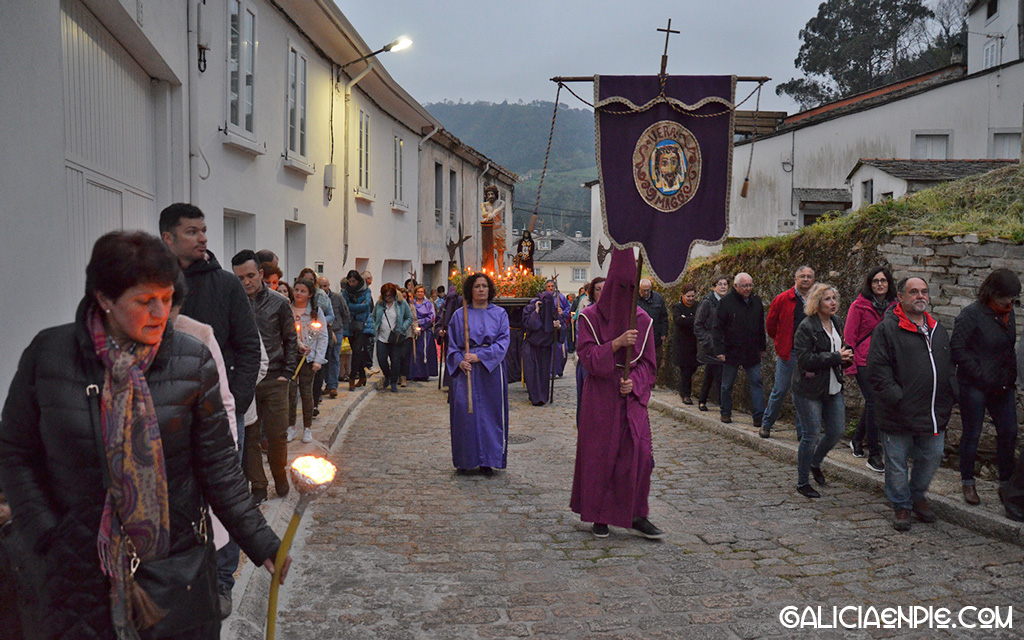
136 512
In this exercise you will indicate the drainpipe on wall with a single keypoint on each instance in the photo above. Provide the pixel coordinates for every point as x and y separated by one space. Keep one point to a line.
430 135
193 81
345 188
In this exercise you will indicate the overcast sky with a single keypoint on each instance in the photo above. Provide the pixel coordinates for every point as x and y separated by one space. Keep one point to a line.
508 50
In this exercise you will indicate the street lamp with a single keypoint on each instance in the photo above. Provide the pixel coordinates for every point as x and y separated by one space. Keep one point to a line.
399 43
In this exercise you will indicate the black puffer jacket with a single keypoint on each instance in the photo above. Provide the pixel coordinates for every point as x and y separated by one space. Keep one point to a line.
50 466
216 297
912 376
983 349
814 357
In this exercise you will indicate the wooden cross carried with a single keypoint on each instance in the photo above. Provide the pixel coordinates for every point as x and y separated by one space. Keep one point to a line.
453 246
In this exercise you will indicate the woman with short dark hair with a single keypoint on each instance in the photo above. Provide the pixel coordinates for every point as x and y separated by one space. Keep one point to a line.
684 313
360 327
424 352
113 439
983 340
480 438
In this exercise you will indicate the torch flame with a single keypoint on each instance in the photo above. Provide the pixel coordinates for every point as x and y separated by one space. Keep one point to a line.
317 470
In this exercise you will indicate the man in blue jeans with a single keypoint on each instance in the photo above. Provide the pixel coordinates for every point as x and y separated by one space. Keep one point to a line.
785 314
911 372
739 341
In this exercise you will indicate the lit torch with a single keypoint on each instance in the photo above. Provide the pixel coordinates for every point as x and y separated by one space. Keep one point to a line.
310 476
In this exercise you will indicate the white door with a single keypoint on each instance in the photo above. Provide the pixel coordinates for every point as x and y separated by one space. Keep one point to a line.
109 139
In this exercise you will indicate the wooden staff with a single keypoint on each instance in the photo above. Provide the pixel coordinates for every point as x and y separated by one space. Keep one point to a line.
465 335
632 315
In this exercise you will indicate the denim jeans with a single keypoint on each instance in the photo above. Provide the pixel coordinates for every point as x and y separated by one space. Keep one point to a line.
333 365
1002 408
867 430
783 381
815 415
904 486
753 381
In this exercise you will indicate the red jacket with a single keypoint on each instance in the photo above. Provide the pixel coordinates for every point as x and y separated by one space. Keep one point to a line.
779 323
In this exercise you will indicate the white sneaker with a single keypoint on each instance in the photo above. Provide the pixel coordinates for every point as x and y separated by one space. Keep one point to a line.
291 433
307 435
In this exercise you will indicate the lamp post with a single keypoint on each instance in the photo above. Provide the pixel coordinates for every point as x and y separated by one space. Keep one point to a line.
398 44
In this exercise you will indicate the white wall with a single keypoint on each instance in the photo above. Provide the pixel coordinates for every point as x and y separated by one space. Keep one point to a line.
38 243
1000 29
881 183
823 154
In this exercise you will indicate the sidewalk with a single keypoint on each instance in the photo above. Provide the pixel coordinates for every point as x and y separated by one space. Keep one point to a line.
249 596
944 494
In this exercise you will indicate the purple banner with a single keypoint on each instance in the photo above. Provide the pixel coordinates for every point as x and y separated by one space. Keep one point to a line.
665 168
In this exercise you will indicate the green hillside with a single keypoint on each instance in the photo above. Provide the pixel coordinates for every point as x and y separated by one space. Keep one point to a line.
516 135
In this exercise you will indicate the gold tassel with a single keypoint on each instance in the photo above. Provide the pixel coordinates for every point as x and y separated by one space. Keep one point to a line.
145 613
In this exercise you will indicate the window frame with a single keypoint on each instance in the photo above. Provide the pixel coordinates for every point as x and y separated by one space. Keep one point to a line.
1002 131
453 188
991 53
398 170
947 133
438 192
581 270
293 102
248 53
363 152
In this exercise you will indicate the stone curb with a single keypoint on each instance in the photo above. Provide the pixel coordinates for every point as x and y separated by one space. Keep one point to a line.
980 520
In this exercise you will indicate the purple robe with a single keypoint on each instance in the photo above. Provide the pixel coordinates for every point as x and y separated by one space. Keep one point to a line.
538 347
424 351
479 439
562 347
613 444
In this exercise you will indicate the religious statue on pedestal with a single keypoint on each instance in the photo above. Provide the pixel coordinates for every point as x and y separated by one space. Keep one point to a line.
492 210
524 252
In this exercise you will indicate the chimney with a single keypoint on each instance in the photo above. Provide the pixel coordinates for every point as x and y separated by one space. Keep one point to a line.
956 55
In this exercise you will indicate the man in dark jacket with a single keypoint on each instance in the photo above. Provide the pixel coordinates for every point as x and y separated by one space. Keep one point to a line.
337 328
215 298
739 341
276 324
703 327
651 301
911 372
784 315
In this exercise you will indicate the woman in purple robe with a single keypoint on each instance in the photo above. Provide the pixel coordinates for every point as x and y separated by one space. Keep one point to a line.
612 478
479 439
424 352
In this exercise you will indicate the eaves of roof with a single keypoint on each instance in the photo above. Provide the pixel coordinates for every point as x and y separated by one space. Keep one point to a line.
930 170
878 102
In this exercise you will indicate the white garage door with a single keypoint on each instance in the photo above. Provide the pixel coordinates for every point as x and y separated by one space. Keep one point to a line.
109 136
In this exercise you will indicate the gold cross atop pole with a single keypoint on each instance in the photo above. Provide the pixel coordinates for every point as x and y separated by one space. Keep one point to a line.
664 56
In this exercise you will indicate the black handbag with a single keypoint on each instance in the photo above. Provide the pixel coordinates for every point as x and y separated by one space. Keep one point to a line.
394 338
183 585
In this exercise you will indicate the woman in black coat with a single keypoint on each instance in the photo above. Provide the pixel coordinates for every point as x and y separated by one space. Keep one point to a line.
820 355
114 439
683 315
982 343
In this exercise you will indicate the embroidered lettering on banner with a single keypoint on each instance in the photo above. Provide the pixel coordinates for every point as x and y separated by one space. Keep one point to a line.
667 165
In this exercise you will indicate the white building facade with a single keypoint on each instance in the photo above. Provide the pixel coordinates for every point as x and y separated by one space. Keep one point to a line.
249 109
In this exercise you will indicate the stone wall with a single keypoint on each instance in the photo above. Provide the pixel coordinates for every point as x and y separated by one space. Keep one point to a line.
953 267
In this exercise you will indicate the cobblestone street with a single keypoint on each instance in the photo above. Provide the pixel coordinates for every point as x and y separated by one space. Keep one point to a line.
402 547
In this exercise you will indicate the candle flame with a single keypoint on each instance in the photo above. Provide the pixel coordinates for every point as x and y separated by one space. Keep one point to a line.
316 324
317 470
